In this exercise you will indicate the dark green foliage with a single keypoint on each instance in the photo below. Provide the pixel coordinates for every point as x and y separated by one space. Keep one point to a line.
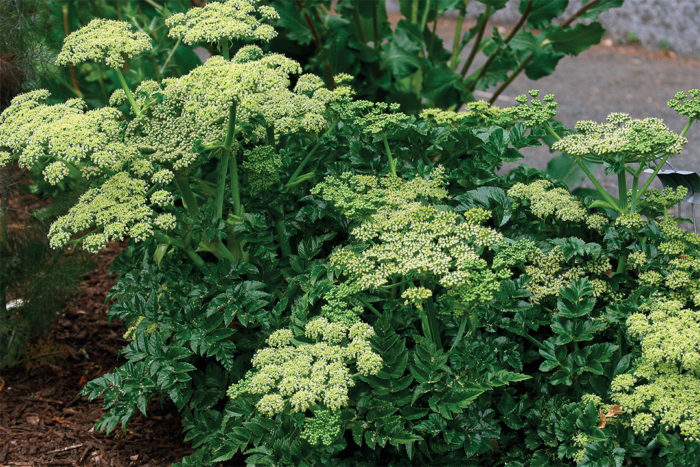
371 290
35 283
410 64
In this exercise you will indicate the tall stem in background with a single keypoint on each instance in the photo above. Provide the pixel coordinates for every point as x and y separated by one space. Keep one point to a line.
477 41
456 49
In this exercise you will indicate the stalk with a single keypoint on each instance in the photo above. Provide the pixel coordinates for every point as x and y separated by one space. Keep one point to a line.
659 165
301 165
431 324
511 78
224 49
392 163
169 57
460 333
235 186
187 195
196 259
510 36
71 67
622 189
434 31
127 91
456 50
524 63
424 17
477 41
222 169
603 192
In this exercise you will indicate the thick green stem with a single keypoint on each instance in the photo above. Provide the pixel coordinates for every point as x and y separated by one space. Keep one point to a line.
477 41
221 172
225 49
424 17
235 186
169 57
187 195
222 169
622 190
282 237
194 257
392 163
635 185
431 325
127 91
460 333
434 31
659 166
603 192
302 164
456 49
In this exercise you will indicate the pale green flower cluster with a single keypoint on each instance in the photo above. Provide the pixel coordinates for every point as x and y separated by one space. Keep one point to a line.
32 130
259 88
301 376
546 200
116 209
687 103
405 238
537 111
479 112
358 197
381 118
637 259
416 295
323 428
547 274
630 220
103 41
665 387
241 20
621 139
262 165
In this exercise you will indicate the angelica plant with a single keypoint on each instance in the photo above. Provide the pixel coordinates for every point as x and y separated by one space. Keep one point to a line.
625 146
142 160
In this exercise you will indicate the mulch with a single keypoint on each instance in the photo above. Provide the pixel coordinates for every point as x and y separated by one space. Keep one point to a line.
42 419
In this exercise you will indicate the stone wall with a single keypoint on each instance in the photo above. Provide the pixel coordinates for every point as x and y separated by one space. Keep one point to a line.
656 23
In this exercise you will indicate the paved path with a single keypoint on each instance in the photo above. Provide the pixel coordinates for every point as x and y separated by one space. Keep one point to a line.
608 79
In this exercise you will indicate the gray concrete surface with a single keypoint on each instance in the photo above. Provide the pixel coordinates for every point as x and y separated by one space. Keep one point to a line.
655 23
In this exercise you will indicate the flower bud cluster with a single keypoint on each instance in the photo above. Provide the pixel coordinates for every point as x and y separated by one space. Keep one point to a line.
103 41
664 387
261 165
546 200
323 428
687 103
289 375
621 139
404 237
241 20
547 274
536 112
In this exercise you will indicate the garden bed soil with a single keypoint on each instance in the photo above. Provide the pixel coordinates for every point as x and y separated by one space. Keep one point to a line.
42 419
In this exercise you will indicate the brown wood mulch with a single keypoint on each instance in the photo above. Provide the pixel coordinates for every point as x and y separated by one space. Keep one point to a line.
42 419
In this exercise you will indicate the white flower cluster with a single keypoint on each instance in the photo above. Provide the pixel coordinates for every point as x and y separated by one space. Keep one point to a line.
231 19
103 41
621 139
300 376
